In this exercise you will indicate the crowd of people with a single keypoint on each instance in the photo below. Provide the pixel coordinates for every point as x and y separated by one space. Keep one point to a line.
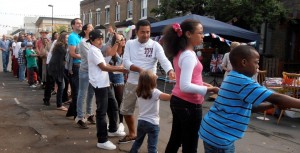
122 74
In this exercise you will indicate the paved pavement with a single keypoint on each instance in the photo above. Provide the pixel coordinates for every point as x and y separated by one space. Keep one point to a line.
27 126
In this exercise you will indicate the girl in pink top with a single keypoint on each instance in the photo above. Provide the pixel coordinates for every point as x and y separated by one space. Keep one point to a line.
188 93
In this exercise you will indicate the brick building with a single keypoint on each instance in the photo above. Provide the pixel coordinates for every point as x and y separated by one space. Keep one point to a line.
283 42
118 13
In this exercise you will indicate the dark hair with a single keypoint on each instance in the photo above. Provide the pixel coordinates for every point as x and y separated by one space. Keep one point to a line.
62 32
114 38
142 23
146 84
53 34
172 43
240 52
113 41
73 22
82 33
94 34
20 38
23 44
61 41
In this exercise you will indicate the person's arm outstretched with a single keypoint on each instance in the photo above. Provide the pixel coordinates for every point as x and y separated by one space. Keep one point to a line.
110 68
283 101
165 96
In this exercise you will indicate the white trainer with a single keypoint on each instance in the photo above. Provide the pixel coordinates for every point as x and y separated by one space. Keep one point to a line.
121 127
106 145
116 134
33 86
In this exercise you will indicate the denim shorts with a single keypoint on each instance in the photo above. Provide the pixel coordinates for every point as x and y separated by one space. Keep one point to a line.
116 79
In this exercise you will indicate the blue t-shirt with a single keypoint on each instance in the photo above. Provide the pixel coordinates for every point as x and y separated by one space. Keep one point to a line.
74 40
228 118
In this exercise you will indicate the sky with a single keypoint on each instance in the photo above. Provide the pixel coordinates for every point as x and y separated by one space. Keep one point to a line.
12 12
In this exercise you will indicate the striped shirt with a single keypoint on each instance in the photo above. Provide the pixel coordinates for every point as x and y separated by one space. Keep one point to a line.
228 118
21 59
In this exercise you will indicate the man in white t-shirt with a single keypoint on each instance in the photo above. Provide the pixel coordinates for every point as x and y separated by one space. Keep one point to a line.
140 54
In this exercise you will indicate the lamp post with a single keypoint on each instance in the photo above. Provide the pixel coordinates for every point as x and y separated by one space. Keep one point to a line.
52 16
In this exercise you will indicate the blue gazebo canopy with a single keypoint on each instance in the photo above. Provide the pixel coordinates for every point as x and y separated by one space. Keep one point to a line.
210 26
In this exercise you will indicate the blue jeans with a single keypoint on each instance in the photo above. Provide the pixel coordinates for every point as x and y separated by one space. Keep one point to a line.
5 59
185 126
106 103
211 149
22 69
84 89
144 128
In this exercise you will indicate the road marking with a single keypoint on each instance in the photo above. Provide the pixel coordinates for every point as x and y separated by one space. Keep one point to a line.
0 98
3 83
17 101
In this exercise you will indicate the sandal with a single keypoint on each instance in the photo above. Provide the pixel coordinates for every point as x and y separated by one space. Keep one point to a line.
62 108
67 102
127 139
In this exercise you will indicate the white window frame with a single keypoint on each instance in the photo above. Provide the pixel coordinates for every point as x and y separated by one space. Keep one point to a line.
129 10
90 17
107 14
118 12
158 5
144 5
83 18
98 16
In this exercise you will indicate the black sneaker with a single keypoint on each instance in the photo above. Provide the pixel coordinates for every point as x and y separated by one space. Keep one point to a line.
91 119
82 125
46 102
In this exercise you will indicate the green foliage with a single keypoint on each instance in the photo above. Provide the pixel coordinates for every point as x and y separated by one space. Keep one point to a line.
246 13
172 8
60 28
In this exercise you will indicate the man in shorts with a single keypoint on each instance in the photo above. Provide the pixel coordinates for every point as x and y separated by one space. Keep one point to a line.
140 54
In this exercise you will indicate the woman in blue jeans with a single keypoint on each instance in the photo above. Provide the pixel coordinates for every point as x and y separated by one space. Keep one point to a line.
116 78
85 89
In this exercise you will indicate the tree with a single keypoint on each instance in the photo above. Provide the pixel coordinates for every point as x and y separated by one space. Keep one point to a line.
60 28
247 14
172 8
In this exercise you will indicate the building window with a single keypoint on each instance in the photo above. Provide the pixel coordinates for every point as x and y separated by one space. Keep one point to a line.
98 13
90 17
107 14
83 18
144 8
118 12
129 9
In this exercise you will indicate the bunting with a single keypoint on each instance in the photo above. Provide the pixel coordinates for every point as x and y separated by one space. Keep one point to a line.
38 15
228 42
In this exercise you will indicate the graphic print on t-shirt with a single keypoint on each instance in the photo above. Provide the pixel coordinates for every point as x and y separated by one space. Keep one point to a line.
148 52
